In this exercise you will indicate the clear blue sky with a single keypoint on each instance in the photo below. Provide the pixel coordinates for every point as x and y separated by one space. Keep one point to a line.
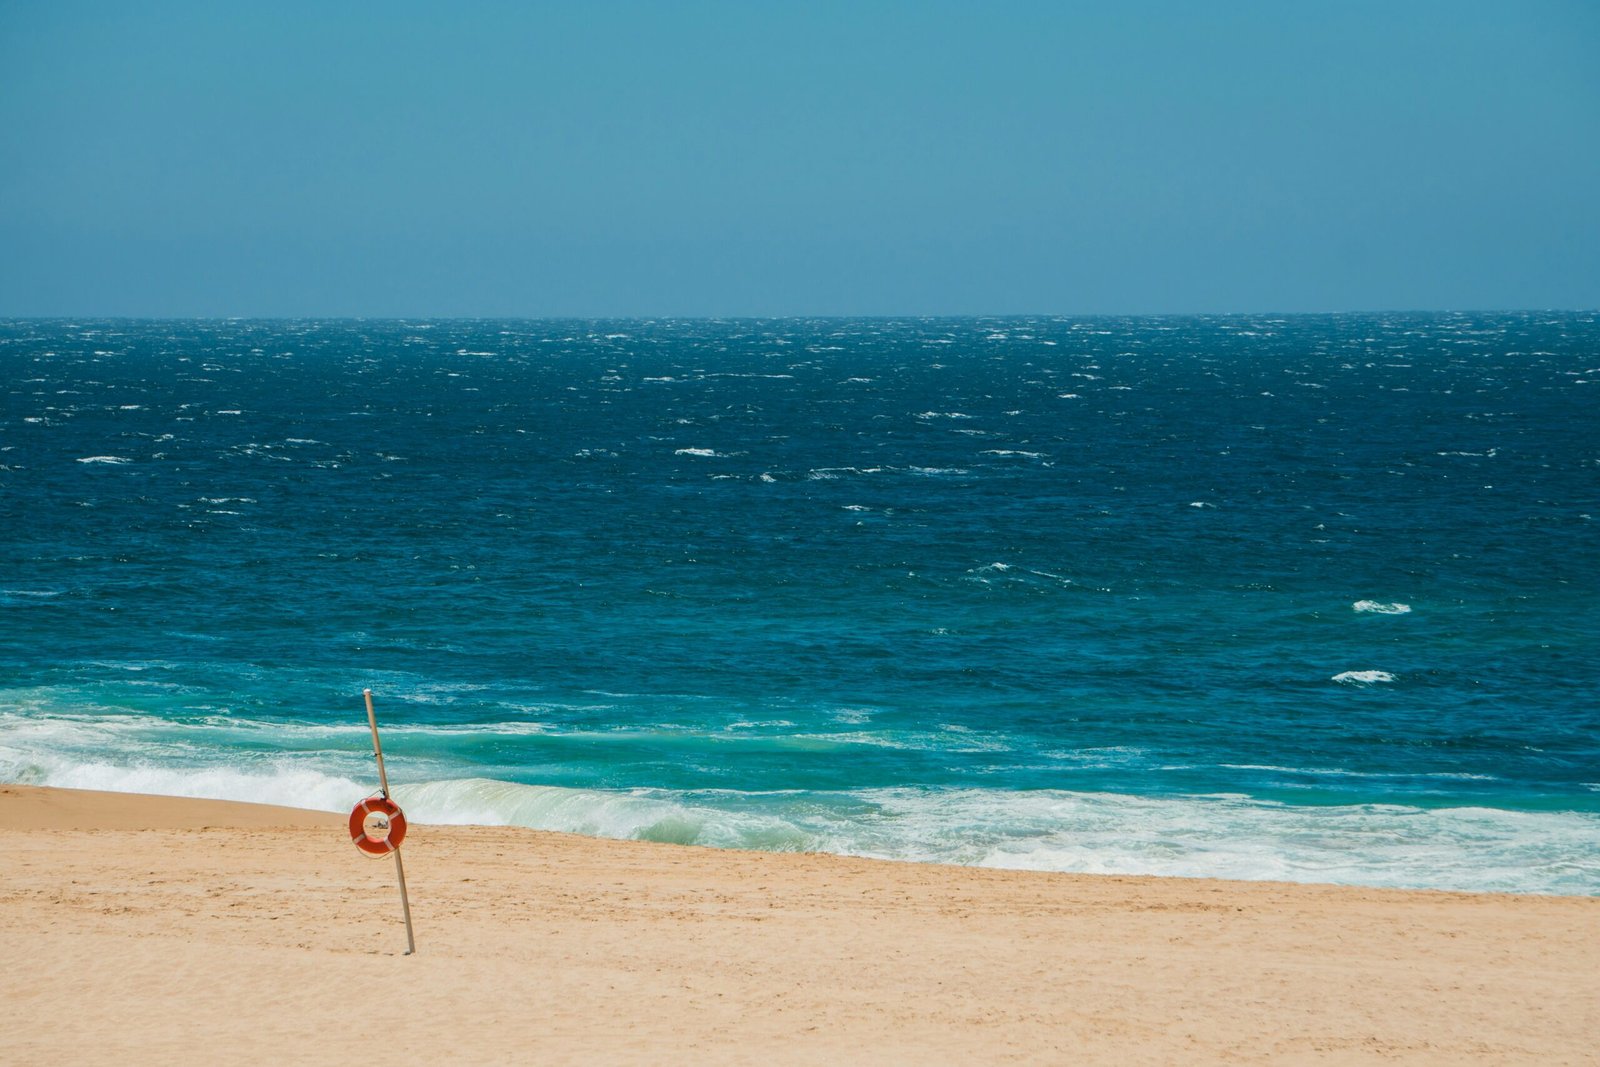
601 158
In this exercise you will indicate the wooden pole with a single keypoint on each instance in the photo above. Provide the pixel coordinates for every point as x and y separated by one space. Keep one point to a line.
383 784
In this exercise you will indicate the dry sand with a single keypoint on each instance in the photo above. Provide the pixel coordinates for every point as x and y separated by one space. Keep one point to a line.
142 930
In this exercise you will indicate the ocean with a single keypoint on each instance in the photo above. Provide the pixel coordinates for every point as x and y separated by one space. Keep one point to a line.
1309 598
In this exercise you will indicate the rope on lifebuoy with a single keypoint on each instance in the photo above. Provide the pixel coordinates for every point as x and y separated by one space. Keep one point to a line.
390 824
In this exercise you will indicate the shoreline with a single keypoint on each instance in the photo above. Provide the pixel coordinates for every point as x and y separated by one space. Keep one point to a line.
31 807
260 922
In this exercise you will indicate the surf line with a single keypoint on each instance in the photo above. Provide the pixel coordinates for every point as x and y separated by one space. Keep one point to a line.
378 826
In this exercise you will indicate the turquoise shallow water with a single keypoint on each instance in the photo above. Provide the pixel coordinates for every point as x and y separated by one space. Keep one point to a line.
1307 598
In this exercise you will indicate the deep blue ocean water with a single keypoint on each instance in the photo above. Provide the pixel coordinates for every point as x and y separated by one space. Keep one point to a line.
1310 598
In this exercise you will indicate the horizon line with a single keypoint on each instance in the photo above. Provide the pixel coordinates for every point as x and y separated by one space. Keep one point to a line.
793 316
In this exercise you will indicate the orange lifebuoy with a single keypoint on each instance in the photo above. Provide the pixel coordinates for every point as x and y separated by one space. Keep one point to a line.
377 826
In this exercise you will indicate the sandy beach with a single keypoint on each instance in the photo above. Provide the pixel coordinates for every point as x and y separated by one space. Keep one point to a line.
146 930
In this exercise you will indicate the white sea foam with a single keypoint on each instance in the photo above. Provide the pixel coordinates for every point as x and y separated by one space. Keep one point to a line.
1005 572
1475 849
1340 772
105 459
1380 608
710 453
930 741
1363 677
327 767
285 785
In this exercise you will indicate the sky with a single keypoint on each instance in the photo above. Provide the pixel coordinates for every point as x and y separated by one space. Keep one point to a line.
603 158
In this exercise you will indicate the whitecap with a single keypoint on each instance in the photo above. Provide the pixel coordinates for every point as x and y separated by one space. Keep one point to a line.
827 474
18 597
1362 677
1376 607
105 459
